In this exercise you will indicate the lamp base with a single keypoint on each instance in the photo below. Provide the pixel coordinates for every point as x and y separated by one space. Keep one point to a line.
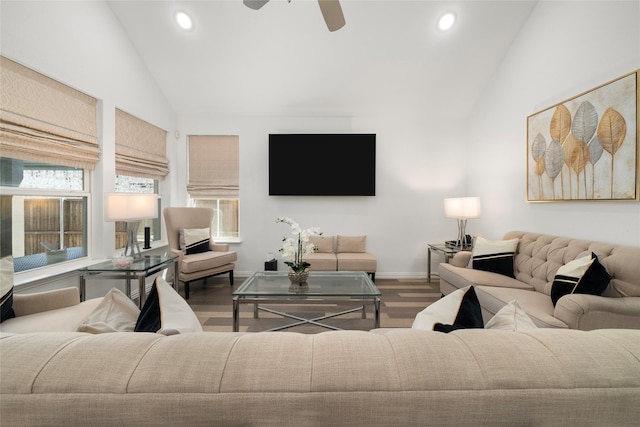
132 248
463 241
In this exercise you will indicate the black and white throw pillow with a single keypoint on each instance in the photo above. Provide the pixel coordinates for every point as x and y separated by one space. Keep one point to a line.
458 310
6 288
166 312
194 240
495 256
583 275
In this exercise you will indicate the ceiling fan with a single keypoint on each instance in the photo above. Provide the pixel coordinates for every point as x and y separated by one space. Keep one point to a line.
331 11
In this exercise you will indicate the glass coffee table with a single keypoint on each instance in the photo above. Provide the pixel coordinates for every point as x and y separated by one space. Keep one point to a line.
330 287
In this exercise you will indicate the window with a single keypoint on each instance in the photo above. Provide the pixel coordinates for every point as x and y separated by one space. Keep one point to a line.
132 184
43 213
213 180
48 137
225 219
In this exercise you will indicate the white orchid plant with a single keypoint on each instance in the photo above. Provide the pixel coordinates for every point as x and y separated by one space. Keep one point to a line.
294 248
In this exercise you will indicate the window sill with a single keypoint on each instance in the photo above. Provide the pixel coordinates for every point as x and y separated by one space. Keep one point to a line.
229 240
47 273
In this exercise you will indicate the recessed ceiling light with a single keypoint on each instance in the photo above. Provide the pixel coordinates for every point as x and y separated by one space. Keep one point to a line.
184 21
446 21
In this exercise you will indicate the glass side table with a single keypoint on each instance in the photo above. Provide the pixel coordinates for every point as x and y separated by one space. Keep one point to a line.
441 248
140 269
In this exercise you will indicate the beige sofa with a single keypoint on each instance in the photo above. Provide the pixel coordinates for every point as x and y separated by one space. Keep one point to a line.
401 377
538 257
341 253
50 311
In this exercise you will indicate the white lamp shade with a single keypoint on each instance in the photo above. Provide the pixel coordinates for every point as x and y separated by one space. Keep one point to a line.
462 207
130 206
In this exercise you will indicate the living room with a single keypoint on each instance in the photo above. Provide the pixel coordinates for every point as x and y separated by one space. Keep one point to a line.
449 111
472 146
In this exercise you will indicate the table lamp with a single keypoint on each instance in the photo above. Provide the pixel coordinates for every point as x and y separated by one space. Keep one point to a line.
131 208
462 208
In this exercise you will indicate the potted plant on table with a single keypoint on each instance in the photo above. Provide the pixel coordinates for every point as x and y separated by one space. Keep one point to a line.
294 248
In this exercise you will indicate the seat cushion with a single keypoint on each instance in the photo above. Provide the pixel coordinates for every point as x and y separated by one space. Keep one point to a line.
462 277
321 261
206 260
537 305
357 262
64 319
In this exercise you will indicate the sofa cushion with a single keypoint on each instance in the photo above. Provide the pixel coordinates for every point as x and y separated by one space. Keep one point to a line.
6 288
357 261
584 275
537 305
321 261
511 317
64 319
194 240
206 260
323 244
115 313
352 244
461 277
495 256
166 312
458 310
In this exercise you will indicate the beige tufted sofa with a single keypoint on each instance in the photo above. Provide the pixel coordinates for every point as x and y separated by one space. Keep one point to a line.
401 377
537 259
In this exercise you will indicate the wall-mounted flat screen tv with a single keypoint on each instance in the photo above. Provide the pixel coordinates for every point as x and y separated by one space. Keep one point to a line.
322 164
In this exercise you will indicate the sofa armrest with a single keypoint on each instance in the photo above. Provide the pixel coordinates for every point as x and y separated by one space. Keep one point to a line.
586 312
461 259
219 247
24 304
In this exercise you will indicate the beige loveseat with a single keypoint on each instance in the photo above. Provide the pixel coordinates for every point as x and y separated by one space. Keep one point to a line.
341 253
537 260
401 377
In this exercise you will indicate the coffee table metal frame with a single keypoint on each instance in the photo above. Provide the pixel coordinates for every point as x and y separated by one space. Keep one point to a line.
271 287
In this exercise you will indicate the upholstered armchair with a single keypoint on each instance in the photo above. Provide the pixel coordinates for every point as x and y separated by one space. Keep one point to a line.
189 236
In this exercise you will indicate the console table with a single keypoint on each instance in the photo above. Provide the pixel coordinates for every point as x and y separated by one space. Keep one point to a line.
140 269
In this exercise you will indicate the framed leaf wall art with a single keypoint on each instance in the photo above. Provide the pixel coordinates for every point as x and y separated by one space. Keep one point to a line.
586 148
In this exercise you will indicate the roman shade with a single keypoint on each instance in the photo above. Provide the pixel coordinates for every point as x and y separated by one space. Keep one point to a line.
43 120
141 148
213 166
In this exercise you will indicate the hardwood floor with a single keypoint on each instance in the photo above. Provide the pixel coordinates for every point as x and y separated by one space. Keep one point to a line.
401 300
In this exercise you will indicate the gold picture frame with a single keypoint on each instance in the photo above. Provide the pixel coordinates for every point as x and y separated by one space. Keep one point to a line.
586 148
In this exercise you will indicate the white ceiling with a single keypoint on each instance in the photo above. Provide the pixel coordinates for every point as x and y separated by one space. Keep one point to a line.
282 60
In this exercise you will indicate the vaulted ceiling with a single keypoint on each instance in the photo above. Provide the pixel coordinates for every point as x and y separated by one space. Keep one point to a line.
282 60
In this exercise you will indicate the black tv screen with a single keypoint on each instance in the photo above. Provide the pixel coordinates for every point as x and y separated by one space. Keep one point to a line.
322 164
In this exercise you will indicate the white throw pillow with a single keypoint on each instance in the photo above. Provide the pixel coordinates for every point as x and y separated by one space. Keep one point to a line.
115 313
511 317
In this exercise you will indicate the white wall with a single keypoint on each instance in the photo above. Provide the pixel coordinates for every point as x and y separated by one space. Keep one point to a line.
565 49
415 160
82 45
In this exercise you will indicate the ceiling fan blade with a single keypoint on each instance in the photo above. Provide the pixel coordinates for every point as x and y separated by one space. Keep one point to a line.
254 4
332 13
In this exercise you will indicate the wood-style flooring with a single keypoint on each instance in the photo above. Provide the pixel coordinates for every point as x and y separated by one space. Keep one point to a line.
401 300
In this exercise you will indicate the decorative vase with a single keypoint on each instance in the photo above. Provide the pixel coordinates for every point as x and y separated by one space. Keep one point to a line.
299 278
